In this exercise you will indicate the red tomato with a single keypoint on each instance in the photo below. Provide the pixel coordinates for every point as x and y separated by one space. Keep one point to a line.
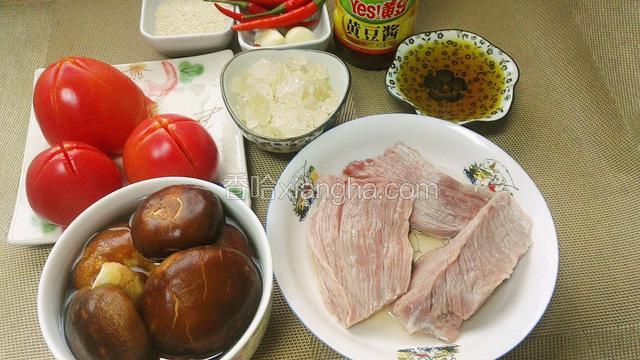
67 178
84 99
170 145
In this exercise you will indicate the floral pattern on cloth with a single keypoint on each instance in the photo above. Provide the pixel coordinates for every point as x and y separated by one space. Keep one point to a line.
490 173
447 352
188 71
302 191
44 226
136 71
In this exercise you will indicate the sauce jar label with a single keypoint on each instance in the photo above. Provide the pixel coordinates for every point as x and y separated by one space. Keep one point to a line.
373 26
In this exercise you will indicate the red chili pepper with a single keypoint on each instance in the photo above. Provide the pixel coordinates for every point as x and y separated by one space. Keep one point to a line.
267 3
290 18
237 16
308 23
232 14
249 7
286 6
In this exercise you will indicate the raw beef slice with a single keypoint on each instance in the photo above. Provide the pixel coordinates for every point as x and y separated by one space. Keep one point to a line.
442 205
450 283
360 243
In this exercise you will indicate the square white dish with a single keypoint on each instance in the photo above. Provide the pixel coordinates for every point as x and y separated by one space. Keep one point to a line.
322 32
197 96
184 44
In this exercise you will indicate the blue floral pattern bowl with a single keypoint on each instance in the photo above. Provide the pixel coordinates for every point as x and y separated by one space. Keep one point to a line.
422 44
339 78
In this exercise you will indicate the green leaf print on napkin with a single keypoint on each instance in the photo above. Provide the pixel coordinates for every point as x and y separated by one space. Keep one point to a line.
237 191
188 71
45 227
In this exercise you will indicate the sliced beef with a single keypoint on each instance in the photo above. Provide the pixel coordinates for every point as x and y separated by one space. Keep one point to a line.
450 283
359 238
442 204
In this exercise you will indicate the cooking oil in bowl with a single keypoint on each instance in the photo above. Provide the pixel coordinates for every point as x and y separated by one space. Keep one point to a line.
451 79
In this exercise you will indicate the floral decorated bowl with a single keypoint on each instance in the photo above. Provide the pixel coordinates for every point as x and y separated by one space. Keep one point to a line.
453 75
339 78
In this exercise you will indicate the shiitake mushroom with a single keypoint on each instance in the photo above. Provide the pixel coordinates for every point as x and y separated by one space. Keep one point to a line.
103 323
112 244
232 237
196 303
175 218
199 301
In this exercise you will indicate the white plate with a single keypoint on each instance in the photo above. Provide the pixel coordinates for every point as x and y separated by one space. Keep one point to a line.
163 81
506 317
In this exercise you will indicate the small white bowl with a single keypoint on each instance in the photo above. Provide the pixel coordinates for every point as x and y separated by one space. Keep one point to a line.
181 45
322 32
339 78
54 281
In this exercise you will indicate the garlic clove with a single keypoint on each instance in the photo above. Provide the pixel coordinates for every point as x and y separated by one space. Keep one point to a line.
269 37
299 34
117 274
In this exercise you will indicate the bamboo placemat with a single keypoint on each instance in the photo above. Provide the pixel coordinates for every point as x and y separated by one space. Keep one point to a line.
574 127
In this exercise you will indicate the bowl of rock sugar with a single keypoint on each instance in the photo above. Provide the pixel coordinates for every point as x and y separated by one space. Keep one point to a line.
282 99
185 27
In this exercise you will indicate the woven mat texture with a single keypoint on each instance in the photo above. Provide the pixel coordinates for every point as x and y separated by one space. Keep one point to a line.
574 127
